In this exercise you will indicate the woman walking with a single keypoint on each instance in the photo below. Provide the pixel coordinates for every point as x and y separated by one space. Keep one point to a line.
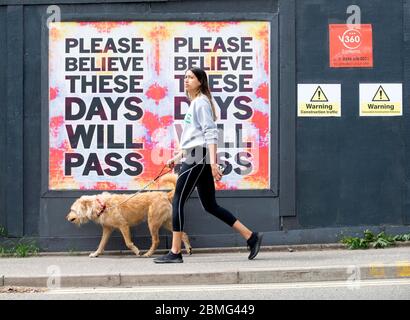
199 167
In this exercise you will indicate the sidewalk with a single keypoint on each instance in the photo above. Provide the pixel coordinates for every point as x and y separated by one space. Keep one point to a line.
270 266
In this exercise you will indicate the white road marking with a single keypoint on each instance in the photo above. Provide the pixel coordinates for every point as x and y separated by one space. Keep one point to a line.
233 287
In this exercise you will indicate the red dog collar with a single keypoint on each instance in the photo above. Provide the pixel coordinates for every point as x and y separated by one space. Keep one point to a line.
103 207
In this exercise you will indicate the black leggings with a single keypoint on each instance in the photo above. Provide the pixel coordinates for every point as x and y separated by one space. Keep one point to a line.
196 171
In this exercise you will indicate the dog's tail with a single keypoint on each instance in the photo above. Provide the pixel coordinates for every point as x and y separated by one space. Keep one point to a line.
172 179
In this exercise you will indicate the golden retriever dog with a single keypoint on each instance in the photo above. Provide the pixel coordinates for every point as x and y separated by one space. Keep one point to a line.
120 211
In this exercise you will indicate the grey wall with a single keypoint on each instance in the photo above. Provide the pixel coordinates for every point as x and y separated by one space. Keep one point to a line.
3 114
406 97
351 170
329 174
41 214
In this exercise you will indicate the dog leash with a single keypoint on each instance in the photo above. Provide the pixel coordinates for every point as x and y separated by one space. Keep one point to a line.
104 206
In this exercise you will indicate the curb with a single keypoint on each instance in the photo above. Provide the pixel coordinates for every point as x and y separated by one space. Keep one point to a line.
352 274
280 248
291 248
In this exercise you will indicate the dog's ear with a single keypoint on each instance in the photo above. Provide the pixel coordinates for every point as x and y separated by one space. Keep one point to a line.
90 207
86 204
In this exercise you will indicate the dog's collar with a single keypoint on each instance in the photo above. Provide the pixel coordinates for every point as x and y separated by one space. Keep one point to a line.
103 207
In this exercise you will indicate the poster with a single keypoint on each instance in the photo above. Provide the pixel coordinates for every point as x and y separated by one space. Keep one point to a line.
350 46
381 99
117 102
319 100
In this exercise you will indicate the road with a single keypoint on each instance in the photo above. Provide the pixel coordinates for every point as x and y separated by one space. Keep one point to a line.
367 290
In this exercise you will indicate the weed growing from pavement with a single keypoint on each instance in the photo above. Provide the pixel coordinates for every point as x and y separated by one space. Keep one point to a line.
21 248
370 240
3 232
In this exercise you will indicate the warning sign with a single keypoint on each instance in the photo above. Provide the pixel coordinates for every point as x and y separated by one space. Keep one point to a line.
319 96
381 95
350 46
381 99
319 100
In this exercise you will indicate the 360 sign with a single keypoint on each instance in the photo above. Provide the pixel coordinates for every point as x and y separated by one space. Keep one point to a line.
351 39
350 46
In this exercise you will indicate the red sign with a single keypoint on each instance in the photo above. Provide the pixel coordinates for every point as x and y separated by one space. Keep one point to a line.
350 46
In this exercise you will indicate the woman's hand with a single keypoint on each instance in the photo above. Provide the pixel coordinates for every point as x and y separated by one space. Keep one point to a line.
215 172
171 163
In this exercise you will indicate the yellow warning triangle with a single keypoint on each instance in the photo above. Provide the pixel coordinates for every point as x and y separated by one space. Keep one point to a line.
319 96
381 95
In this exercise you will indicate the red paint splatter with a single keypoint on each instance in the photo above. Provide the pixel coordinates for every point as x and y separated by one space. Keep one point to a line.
261 153
56 157
261 122
53 93
106 26
54 34
156 92
105 185
264 35
214 26
157 57
219 185
153 122
56 165
158 34
55 124
263 92
261 165
151 168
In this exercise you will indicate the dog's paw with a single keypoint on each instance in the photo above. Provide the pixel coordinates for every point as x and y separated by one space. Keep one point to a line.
94 255
189 251
147 255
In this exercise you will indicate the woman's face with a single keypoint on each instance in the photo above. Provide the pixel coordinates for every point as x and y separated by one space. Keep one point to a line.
191 82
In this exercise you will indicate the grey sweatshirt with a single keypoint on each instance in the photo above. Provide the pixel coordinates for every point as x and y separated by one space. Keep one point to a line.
199 128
